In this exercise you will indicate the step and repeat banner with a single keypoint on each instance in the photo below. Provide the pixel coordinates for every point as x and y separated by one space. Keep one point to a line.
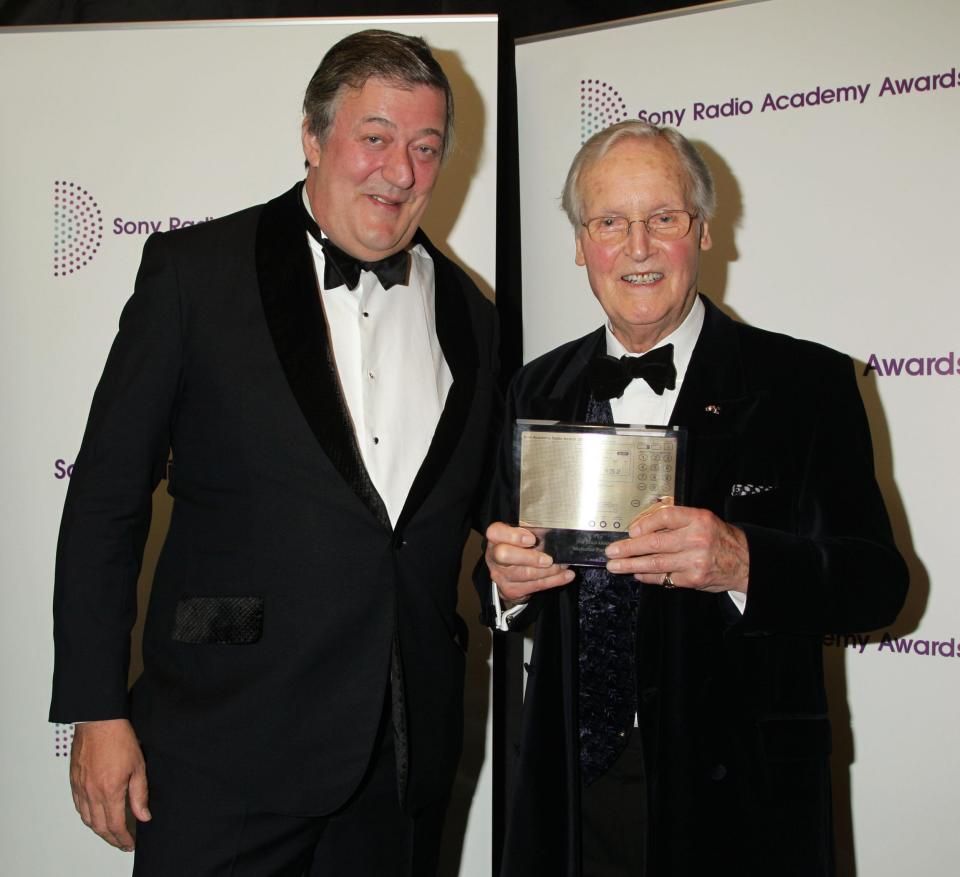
106 135
832 130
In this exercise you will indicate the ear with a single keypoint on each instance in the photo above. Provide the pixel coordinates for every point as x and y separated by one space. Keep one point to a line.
705 240
311 146
580 260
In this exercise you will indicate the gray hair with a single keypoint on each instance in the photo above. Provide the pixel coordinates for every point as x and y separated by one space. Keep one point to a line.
382 54
701 193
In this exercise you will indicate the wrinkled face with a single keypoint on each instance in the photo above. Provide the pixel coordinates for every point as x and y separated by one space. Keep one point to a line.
370 181
645 286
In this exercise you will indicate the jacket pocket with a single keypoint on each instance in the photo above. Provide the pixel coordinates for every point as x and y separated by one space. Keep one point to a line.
771 508
225 620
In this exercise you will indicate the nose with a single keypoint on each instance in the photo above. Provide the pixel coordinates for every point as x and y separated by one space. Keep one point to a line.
638 242
398 168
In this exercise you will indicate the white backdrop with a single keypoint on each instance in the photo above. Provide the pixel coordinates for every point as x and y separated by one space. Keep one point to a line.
832 131
149 127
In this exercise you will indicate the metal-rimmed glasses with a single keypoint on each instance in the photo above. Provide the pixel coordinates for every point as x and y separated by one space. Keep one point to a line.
664 225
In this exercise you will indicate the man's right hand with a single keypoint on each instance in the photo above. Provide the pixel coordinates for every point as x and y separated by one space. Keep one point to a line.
517 566
107 767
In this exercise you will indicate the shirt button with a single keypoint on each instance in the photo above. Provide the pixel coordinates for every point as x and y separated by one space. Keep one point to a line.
366 313
376 440
372 376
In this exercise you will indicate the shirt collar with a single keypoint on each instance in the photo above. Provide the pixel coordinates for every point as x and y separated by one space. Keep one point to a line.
683 338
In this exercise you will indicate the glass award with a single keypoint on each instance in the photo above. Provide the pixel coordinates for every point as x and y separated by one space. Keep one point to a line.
580 486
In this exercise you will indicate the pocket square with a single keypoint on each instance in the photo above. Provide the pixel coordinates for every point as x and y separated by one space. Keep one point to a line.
750 489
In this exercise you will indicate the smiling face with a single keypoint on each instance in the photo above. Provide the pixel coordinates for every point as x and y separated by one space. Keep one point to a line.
645 286
369 182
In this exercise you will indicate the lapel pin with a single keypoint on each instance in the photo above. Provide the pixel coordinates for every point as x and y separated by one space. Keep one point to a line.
712 409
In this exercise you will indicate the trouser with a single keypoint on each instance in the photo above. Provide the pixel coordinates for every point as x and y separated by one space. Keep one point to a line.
613 817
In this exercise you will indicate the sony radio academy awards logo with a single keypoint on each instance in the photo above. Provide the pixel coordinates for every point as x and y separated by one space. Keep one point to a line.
602 105
62 740
78 227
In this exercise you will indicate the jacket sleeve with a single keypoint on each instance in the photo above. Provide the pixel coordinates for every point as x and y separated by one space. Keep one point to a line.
837 569
106 515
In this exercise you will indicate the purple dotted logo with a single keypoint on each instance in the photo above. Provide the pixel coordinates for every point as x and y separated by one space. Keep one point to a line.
600 107
62 740
77 227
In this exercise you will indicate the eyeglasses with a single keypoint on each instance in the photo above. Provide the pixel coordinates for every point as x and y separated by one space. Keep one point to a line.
666 225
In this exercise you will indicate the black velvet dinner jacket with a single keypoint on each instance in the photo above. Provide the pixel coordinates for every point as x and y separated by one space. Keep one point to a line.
732 708
281 582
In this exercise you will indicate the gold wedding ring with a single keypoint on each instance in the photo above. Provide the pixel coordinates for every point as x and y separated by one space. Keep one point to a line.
667 581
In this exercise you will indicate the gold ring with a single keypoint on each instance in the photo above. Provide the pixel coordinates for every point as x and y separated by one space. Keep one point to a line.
667 581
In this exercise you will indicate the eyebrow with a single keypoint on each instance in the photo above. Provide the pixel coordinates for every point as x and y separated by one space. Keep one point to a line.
423 132
655 210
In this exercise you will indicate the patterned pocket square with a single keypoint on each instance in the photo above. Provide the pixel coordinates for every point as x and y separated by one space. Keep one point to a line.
750 489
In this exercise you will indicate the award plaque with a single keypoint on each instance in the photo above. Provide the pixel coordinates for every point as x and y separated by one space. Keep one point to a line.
581 485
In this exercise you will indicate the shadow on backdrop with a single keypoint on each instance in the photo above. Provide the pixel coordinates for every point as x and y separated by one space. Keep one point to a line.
457 176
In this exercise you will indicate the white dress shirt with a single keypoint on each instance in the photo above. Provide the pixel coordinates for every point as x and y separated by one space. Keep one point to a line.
393 374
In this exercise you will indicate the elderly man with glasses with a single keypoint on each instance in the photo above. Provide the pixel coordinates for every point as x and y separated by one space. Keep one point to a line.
675 718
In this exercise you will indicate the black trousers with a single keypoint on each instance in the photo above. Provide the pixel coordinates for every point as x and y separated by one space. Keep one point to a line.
613 817
201 829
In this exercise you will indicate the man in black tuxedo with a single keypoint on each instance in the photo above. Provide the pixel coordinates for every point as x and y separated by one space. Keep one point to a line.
324 378
675 720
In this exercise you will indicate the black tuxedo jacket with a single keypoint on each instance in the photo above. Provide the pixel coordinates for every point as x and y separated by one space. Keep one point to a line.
732 708
281 583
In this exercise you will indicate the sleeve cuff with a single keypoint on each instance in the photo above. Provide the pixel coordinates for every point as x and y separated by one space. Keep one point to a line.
502 616
739 600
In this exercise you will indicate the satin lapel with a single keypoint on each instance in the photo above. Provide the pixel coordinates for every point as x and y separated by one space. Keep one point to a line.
714 406
294 314
459 345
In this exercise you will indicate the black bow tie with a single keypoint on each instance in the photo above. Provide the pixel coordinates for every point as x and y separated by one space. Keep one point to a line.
342 269
609 376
